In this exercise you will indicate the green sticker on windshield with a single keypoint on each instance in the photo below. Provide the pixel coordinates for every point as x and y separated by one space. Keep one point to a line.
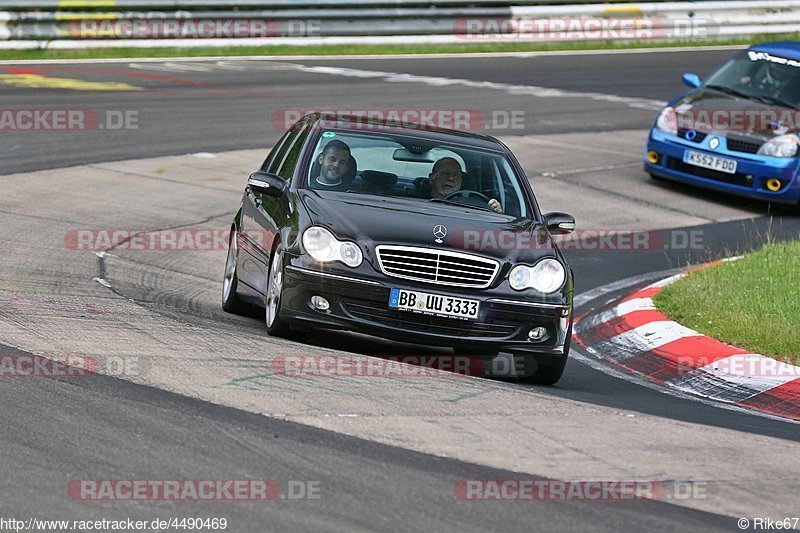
328 134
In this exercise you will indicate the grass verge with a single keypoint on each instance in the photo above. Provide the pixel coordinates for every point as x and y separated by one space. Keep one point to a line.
322 50
753 303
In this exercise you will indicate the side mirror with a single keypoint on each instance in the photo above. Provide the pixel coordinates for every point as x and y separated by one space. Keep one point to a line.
559 223
691 80
268 184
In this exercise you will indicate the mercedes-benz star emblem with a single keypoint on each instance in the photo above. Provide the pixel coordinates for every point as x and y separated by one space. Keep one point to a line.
713 143
439 232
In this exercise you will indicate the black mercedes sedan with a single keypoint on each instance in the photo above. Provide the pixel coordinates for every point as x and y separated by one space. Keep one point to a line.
415 234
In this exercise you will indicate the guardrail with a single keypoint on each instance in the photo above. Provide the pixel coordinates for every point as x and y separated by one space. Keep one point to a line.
149 23
150 5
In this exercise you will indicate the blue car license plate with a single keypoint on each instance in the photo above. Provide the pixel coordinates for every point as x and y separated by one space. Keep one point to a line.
712 162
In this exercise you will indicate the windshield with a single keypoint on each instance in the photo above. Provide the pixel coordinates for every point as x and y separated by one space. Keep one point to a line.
760 76
420 169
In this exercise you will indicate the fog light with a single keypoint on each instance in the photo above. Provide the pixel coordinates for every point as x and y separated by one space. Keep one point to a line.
320 303
774 184
536 333
652 157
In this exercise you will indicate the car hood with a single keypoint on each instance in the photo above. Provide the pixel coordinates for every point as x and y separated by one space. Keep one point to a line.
695 111
375 220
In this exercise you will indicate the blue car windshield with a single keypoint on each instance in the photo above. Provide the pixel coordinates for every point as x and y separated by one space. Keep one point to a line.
761 76
387 164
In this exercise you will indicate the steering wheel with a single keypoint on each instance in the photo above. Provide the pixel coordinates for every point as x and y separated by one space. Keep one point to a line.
466 193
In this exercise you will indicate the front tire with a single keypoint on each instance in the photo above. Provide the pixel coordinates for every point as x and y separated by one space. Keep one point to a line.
276 326
230 281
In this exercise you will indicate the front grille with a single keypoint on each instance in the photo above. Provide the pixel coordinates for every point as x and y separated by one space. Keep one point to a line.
735 179
437 266
699 135
380 313
741 145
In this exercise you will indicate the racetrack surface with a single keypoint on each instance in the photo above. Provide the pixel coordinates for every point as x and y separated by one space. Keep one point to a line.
387 452
224 105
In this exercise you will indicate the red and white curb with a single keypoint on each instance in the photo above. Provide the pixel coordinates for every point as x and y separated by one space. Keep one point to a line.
633 334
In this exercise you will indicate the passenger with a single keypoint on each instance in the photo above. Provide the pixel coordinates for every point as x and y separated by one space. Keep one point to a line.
334 164
445 179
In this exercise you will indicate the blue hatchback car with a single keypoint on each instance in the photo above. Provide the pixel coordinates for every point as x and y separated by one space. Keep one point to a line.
737 131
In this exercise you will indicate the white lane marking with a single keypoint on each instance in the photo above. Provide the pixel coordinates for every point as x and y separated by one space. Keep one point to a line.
229 65
556 173
586 297
469 55
172 66
440 81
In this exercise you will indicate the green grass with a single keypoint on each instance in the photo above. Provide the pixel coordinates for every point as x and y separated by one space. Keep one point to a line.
753 303
283 50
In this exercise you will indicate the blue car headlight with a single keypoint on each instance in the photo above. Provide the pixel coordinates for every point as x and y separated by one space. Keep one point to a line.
781 146
667 121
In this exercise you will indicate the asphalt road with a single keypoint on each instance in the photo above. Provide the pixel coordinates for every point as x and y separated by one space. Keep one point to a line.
164 311
55 430
222 105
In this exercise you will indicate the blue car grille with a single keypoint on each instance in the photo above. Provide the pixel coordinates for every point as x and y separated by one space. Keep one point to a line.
739 179
741 145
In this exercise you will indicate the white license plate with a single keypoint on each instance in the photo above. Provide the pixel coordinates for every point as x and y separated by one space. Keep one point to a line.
709 161
434 304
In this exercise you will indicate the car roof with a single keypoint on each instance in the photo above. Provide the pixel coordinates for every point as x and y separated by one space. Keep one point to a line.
360 123
788 49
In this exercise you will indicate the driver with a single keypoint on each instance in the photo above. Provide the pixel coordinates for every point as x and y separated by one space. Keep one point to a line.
774 80
445 179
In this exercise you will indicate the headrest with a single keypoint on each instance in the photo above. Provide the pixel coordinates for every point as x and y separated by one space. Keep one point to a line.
376 178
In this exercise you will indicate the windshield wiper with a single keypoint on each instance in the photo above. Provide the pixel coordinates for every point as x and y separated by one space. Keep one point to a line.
729 90
450 202
772 100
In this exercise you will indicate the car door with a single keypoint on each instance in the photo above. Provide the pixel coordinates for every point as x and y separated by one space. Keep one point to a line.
263 216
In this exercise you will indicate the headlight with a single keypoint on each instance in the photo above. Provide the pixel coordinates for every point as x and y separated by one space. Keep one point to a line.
546 276
321 245
781 146
667 121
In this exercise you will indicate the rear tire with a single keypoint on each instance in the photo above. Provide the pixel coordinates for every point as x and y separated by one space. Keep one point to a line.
276 326
230 281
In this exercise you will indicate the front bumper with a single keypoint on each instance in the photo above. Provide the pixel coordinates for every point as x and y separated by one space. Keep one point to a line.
360 304
752 171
